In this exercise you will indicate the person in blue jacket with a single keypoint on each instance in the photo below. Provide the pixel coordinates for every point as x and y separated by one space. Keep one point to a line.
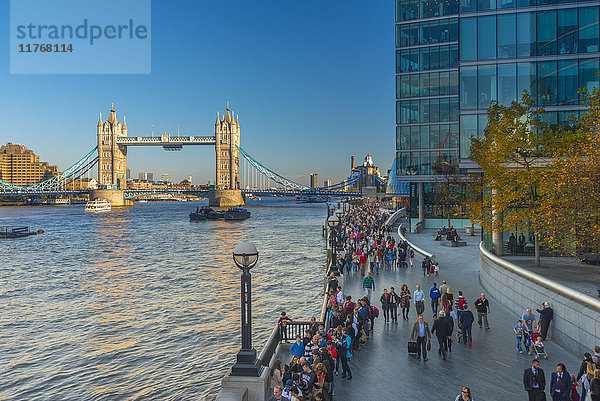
345 353
435 294
297 347
466 320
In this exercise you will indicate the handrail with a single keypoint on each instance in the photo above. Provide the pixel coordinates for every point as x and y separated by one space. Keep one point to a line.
551 284
269 348
393 216
413 246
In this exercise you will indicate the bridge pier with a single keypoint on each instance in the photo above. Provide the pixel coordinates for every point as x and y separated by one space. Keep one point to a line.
114 196
225 197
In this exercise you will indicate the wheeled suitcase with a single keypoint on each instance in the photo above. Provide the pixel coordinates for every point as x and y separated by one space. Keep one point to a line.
412 348
402 264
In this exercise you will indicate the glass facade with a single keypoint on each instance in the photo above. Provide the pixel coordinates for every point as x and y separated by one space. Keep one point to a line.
454 57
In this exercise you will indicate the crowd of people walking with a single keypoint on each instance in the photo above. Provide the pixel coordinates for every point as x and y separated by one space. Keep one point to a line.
327 352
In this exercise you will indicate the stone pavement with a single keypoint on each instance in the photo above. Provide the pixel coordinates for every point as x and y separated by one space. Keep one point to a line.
493 368
567 271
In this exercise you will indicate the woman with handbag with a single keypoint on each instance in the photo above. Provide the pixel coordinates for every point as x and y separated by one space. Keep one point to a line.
405 298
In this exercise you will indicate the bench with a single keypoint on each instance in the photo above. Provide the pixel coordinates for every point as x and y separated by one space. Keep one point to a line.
453 244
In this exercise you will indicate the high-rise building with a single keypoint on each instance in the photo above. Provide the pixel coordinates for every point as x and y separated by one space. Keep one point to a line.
143 176
314 180
327 183
164 177
128 173
20 166
150 176
505 48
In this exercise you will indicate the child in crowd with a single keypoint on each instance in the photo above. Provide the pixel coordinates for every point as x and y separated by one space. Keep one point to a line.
519 334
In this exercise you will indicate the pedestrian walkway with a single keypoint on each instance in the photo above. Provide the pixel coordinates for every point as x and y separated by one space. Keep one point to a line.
567 271
493 368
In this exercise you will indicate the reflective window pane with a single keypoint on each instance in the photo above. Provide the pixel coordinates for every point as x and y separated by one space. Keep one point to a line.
453 90
546 33
415 88
453 109
547 85
486 5
526 29
567 31
425 85
444 83
468 5
434 110
444 110
434 136
424 135
506 4
567 82
434 82
588 32
526 79
414 138
486 37
507 84
486 85
424 112
507 36
587 74
454 137
468 129
468 88
468 38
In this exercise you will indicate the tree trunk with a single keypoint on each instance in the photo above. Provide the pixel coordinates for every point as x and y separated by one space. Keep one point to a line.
537 248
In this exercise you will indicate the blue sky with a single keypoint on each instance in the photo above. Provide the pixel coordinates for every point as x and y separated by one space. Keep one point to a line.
312 81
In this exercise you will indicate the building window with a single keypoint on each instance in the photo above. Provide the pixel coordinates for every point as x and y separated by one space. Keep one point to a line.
567 31
546 33
468 88
506 34
486 37
526 28
486 84
567 82
547 85
468 38
507 83
588 33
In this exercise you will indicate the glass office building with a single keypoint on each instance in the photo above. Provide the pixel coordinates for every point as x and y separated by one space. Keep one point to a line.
454 57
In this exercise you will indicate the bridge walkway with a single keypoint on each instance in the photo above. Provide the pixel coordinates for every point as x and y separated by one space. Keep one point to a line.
383 370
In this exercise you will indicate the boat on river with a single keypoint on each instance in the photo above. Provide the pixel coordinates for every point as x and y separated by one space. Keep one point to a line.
97 206
312 199
236 213
17 232
208 213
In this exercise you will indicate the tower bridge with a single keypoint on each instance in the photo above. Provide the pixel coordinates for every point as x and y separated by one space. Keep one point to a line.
110 156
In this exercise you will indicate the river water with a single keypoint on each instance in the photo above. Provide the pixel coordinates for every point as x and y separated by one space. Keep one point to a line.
140 303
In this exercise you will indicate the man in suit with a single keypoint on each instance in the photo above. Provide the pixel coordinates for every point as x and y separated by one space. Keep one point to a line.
421 334
560 385
534 381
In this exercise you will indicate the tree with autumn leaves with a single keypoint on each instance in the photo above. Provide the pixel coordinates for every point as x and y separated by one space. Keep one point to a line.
541 179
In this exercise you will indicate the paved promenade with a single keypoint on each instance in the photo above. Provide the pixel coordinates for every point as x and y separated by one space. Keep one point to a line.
493 368
567 271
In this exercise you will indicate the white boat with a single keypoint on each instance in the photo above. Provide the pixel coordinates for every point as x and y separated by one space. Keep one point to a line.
142 201
98 205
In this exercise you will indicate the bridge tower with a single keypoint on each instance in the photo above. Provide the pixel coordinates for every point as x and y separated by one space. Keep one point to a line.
227 136
112 158
227 190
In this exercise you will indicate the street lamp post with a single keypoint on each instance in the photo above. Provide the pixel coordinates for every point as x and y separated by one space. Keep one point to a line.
245 257
332 222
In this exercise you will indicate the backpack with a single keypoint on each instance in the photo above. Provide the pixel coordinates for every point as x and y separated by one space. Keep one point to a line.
375 312
461 303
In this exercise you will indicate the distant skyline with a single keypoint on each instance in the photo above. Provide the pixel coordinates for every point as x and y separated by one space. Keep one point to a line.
313 84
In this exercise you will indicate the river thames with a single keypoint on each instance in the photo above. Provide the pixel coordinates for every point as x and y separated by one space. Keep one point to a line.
141 303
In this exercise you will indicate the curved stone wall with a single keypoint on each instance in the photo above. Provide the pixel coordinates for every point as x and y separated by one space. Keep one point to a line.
576 322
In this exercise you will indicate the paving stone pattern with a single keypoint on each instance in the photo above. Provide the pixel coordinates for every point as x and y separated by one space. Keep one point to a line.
493 368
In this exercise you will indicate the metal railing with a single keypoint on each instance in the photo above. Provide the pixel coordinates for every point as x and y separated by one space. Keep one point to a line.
413 246
394 216
550 284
